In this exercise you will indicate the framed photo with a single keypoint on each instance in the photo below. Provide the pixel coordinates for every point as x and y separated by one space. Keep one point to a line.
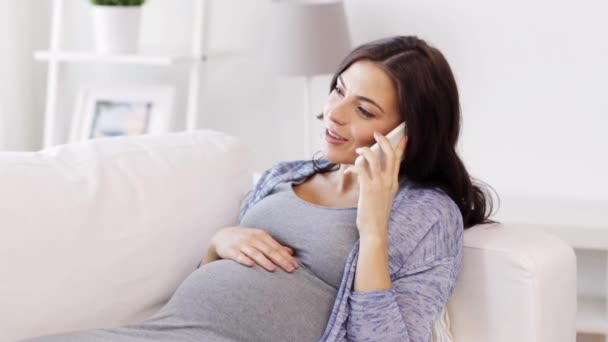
110 111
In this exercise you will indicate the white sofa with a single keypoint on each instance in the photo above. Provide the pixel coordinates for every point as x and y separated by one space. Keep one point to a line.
100 233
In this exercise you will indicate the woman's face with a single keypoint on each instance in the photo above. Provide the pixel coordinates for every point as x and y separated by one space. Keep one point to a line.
363 101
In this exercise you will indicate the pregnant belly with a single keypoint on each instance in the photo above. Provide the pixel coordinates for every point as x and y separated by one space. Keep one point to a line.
250 303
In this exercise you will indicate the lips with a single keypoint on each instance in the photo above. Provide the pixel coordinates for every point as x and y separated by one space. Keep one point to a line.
333 133
333 141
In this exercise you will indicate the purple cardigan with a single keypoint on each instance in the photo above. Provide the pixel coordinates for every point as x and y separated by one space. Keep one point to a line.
425 249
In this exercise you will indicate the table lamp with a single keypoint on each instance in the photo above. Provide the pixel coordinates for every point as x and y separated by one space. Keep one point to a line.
306 38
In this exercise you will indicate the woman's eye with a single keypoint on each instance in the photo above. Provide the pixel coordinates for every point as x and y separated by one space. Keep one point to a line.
361 110
365 113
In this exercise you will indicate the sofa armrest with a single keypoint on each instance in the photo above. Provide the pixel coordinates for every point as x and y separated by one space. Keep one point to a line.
516 284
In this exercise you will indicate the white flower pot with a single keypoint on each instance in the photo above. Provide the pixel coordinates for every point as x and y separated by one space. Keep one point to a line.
116 28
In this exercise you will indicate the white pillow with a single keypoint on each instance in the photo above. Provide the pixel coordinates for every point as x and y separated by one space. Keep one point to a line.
100 233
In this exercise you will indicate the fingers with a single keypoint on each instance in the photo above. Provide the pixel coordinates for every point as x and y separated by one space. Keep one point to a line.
249 246
267 252
278 252
389 154
258 257
393 158
387 149
245 260
400 153
362 170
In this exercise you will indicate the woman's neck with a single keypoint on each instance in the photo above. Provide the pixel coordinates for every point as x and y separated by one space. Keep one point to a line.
343 184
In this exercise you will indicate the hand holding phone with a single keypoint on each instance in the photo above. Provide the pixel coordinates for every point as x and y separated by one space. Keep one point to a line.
394 137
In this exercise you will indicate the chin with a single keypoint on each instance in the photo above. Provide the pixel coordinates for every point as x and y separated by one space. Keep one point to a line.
336 157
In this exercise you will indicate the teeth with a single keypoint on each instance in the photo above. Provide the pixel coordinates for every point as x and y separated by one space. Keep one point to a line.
334 135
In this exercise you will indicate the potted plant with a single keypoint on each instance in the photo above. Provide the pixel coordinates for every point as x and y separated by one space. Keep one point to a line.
116 25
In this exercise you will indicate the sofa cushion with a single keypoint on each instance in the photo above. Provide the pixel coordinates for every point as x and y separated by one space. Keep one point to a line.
100 233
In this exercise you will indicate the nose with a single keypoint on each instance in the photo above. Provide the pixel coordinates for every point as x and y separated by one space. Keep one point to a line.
338 114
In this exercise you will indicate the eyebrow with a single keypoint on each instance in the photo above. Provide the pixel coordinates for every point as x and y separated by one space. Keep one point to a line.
363 98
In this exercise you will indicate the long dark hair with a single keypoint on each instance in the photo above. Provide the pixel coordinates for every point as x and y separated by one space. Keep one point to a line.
429 103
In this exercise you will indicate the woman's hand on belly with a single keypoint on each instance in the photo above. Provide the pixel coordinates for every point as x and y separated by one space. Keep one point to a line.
249 246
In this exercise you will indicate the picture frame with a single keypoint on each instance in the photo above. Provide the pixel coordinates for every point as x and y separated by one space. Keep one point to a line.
109 111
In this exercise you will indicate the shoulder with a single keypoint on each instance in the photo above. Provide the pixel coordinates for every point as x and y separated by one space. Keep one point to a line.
290 169
427 225
281 168
428 204
266 182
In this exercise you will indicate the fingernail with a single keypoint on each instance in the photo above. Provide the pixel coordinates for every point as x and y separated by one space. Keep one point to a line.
358 149
376 134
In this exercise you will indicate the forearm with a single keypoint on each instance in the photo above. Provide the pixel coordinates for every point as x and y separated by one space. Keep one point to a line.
372 271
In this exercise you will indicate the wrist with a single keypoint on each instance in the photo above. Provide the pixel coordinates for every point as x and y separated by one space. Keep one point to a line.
373 239
211 254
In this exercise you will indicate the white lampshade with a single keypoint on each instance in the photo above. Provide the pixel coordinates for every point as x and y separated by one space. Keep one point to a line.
306 37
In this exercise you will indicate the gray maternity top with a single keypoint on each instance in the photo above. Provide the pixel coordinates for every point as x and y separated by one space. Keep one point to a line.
227 301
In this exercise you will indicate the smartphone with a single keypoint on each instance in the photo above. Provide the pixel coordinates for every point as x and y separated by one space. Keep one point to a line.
394 137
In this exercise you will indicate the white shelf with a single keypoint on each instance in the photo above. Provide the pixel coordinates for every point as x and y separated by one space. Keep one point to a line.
194 59
591 316
92 57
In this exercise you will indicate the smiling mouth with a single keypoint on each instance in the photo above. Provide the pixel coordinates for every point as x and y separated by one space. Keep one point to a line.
334 135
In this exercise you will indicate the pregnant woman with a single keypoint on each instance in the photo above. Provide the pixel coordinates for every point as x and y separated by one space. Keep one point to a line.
327 250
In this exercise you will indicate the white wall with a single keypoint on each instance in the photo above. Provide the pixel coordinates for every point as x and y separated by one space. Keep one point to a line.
532 79
15 73
23 29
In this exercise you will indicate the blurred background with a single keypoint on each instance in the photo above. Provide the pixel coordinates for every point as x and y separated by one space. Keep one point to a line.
531 74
